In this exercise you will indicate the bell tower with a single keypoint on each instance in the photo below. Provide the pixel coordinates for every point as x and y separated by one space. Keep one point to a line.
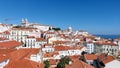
24 22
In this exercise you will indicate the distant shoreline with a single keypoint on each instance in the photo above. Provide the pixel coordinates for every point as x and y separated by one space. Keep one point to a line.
108 36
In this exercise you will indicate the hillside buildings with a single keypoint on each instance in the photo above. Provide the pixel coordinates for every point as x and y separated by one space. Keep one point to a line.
29 45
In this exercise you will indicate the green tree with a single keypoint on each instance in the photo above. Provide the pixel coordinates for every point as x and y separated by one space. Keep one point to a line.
47 64
61 65
56 29
18 26
63 61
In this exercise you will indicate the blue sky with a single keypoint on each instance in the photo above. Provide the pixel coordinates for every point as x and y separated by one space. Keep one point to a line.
95 16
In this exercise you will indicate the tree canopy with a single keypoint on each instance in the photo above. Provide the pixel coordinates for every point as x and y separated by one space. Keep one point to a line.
47 64
63 61
56 29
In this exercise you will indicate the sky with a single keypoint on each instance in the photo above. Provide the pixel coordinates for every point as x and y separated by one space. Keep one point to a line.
94 16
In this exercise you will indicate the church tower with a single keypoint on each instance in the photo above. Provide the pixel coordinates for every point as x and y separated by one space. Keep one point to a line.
25 22
70 29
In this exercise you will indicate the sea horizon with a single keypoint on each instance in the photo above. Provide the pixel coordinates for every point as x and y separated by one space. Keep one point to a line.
108 36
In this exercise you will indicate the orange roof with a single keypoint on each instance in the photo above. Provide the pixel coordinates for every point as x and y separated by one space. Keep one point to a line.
33 51
78 64
24 63
90 37
30 37
74 57
119 53
108 59
6 51
1 24
9 44
61 35
60 48
106 43
52 61
40 39
90 56
47 45
50 54
58 42
105 59
3 57
6 32
55 53
118 38
50 33
22 53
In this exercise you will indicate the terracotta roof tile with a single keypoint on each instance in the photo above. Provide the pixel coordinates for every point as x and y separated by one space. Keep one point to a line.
105 59
3 57
119 53
47 45
106 43
90 56
9 44
24 63
40 39
48 55
60 48
74 57
22 53
6 51
79 64
6 32
30 37
90 37
118 38
53 61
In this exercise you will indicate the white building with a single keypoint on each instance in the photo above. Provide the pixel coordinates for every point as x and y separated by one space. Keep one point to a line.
90 47
5 34
25 23
50 33
36 58
39 42
113 64
47 48
69 29
84 33
106 47
30 42
69 51
119 43
4 27
110 49
40 27
89 58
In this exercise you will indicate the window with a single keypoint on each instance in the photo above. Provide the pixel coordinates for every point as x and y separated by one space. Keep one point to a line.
107 49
